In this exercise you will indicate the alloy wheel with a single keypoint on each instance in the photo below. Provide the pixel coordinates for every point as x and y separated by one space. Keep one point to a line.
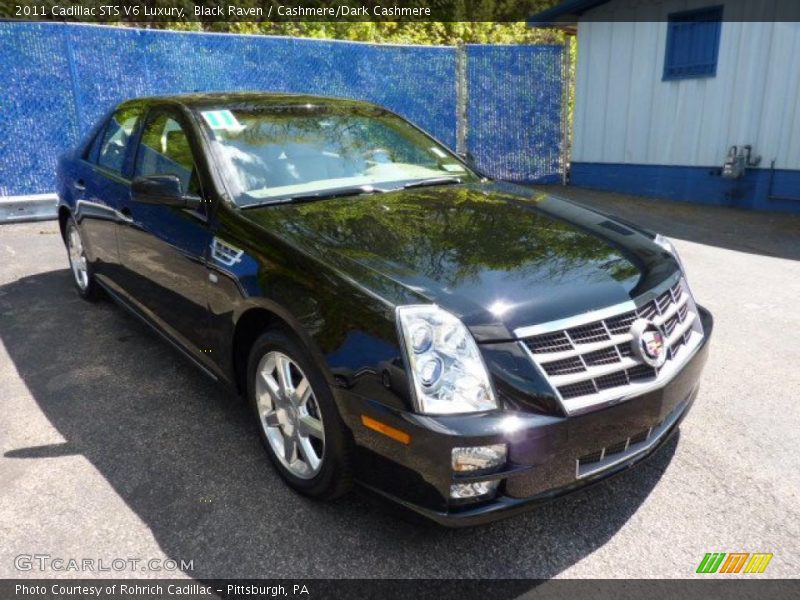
289 414
77 258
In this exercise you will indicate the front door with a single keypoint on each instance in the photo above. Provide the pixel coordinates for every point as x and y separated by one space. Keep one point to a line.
164 249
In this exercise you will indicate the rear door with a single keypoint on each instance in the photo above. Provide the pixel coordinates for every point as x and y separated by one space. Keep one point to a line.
163 249
103 186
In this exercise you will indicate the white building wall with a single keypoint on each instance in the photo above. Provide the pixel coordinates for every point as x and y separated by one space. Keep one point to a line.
625 113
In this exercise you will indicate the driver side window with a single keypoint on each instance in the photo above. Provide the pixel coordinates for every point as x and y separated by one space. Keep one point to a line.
164 150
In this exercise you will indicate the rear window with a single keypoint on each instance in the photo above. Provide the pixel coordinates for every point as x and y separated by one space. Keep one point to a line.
91 151
116 137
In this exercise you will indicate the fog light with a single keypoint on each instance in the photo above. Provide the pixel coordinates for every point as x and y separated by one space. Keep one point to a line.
474 490
479 458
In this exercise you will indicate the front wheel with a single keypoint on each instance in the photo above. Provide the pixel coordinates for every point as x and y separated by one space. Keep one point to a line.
81 269
299 423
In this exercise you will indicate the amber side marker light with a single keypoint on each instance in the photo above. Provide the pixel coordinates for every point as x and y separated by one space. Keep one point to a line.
395 434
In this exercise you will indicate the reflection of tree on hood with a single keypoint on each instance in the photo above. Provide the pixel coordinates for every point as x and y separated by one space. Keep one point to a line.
457 234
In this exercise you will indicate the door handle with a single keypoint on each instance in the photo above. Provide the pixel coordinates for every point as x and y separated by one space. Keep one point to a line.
80 186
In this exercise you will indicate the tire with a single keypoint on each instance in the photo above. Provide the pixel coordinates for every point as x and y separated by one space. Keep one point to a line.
301 426
81 269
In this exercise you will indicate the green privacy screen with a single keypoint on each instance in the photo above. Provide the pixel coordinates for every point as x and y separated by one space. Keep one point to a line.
58 79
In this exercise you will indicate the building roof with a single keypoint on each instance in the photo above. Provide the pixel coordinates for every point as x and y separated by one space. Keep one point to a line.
565 14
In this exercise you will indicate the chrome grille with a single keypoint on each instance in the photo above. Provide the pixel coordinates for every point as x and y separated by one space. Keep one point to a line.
575 390
586 334
588 360
606 356
553 342
621 324
649 311
563 366
613 380
663 301
625 350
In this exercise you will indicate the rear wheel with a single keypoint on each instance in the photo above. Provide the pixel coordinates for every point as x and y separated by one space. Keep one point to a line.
81 269
299 423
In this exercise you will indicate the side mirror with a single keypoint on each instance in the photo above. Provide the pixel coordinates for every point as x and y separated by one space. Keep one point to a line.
469 160
162 189
467 155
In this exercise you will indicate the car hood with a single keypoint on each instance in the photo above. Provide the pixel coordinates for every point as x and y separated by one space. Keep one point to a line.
499 256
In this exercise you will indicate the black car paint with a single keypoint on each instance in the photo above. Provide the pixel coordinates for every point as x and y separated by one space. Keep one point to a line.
497 255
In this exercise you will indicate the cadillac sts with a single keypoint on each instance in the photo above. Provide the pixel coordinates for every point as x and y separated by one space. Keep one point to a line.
465 347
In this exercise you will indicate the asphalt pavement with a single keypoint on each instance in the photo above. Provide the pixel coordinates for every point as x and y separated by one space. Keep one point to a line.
113 446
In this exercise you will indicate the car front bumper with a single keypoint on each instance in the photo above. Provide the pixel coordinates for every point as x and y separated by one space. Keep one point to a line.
543 450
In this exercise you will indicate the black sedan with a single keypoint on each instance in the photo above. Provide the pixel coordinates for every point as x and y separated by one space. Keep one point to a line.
462 346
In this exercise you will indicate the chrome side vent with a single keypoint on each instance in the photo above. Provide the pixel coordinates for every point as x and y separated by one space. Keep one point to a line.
225 253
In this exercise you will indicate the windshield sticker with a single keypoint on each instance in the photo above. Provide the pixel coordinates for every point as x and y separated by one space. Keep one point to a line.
222 119
438 152
453 168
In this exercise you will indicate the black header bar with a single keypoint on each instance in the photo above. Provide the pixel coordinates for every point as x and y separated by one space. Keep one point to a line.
535 12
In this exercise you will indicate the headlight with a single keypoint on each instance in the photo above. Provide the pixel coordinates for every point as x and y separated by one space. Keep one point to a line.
668 246
446 366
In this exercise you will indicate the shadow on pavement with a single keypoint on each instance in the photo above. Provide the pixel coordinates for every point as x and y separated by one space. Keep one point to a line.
185 457
769 234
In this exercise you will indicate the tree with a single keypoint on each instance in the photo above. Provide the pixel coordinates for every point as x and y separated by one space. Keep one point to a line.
489 22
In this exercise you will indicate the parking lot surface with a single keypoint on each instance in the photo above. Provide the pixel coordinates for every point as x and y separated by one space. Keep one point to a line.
113 446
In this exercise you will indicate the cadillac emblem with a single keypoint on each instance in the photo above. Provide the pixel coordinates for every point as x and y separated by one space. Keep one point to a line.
648 343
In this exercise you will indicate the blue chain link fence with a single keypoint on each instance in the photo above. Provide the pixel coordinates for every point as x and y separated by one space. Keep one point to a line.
58 79
514 99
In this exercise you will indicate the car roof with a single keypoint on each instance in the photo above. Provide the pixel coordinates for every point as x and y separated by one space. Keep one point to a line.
198 101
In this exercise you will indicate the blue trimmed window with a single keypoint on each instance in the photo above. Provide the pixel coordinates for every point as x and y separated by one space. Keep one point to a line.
693 43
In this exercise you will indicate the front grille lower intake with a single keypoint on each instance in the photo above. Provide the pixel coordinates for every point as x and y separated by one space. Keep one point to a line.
605 458
589 361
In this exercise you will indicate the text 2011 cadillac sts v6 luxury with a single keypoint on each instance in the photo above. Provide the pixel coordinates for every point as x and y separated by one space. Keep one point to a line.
465 347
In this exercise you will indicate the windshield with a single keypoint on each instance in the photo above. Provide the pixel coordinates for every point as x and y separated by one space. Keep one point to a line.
274 154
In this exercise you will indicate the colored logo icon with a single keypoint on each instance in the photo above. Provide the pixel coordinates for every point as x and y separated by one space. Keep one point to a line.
735 562
648 343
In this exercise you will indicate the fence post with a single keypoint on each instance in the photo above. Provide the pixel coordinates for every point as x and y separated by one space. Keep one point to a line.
142 46
461 99
73 81
566 81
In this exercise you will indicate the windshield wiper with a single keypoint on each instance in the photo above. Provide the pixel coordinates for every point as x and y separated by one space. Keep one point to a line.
335 193
433 181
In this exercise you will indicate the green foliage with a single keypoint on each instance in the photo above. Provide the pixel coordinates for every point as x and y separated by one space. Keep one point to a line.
488 22
400 33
